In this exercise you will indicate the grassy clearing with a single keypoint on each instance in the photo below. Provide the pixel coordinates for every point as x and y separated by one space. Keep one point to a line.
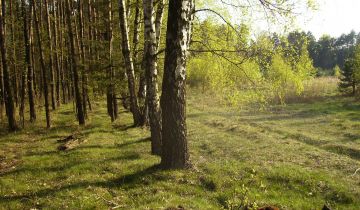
299 156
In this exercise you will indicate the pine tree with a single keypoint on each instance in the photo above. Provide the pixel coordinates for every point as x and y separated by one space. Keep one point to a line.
347 79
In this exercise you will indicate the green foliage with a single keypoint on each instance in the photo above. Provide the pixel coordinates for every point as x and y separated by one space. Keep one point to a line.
246 71
337 71
350 75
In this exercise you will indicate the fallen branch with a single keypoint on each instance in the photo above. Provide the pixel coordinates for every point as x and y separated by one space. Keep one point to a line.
66 139
70 142
357 170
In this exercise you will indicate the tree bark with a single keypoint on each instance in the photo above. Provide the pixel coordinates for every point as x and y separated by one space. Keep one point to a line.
111 95
173 99
56 54
129 65
142 81
2 100
79 107
83 57
62 57
158 21
43 68
51 61
30 87
14 75
8 95
151 77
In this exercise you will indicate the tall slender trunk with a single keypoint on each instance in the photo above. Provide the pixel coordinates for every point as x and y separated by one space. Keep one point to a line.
32 53
62 57
56 54
43 67
79 107
27 41
173 99
51 61
14 75
83 57
90 46
2 101
2 104
158 21
142 81
8 95
129 65
150 65
111 95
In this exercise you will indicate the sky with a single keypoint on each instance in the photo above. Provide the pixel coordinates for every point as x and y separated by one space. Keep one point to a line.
333 17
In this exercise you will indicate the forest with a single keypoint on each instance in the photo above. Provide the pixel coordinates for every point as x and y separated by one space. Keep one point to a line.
179 104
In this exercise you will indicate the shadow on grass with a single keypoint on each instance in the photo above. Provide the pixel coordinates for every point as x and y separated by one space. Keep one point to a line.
127 180
62 168
133 142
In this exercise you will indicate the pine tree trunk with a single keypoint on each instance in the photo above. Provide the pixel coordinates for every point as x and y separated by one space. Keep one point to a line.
111 95
2 102
129 65
151 77
32 53
51 61
173 99
30 87
43 67
79 107
83 57
54 27
62 53
27 41
8 95
14 75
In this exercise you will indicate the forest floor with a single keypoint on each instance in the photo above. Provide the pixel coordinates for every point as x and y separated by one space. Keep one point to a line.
299 156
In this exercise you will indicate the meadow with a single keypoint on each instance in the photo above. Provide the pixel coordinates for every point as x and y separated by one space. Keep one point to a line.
302 155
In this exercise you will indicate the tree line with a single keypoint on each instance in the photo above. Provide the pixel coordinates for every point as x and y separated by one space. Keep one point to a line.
328 52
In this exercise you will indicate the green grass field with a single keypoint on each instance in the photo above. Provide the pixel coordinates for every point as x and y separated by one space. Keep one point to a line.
299 156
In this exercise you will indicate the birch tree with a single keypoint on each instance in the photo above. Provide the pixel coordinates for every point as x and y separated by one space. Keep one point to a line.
173 99
129 65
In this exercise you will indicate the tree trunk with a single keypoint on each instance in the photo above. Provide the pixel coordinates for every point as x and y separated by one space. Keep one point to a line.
2 102
27 41
128 63
43 68
83 57
32 53
79 107
173 103
151 77
51 61
111 95
14 75
142 82
8 96
158 22
62 57
56 54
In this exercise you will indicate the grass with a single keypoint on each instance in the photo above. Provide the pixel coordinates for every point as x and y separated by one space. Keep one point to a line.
299 156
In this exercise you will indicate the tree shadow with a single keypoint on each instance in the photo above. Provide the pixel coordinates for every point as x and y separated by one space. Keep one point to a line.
133 142
123 127
67 164
128 180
